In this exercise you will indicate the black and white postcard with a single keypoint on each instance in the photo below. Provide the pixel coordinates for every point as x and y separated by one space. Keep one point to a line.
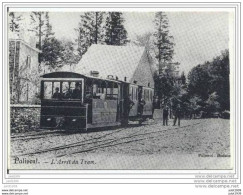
130 88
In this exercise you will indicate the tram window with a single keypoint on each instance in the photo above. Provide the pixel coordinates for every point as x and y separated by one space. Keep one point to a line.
56 90
132 93
99 90
68 88
115 91
52 90
112 90
95 89
77 91
48 90
66 93
146 95
136 94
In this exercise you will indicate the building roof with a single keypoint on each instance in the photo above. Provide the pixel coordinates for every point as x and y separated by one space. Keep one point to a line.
120 61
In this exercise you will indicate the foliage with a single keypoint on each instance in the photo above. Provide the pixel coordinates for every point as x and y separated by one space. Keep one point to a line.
183 78
212 104
210 82
90 30
164 85
199 80
115 32
14 22
52 52
163 41
24 119
40 26
68 55
193 106
48 30
165 81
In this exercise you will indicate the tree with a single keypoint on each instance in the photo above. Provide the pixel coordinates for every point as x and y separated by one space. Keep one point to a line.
46 41
164 85
210 82
163 41
52 53
199 82
183 78
219 82
212 104
116 33
143 40
41 26
68 55
37 24
48 30
90 31
14 22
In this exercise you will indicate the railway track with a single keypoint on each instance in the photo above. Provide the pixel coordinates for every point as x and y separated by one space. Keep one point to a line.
36 135
103 141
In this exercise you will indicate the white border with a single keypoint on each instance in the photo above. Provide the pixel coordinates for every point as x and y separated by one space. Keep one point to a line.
169 172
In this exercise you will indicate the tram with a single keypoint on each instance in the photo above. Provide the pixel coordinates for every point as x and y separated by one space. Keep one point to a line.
79 102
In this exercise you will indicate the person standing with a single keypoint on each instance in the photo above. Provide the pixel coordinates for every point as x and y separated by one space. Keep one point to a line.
77 91
155 104
177 115
165 116
128 102
141 105
56 95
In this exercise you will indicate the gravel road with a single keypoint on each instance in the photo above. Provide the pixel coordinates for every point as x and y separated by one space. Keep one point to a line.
196 144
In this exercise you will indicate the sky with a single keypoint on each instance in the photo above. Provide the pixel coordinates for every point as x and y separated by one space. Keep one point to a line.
198 36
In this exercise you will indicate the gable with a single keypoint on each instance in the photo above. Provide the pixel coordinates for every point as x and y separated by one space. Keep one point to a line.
120 61
143 73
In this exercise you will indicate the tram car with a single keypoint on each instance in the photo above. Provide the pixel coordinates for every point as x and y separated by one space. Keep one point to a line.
79 102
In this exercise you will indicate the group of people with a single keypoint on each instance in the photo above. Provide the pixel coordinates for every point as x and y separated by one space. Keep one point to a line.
177 115
176 111
70 94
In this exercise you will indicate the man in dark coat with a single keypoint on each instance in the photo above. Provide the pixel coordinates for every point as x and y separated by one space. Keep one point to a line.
165 116
76 92
56 95
128 106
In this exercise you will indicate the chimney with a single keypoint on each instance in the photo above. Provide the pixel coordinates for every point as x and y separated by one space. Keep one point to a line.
94 73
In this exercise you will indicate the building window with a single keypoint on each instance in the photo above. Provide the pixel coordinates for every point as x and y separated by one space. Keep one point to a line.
28 61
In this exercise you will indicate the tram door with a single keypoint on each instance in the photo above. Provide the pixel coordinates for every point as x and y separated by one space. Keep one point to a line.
133 92
123 95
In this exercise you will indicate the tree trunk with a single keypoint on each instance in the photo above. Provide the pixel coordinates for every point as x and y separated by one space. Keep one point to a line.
39 31
96 28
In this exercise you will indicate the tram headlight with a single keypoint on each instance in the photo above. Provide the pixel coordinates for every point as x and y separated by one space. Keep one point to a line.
74 120
49 119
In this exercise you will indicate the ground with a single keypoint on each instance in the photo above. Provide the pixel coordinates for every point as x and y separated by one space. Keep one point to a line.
196 144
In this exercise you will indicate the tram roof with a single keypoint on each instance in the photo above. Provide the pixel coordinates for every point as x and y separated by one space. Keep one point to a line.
67 75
